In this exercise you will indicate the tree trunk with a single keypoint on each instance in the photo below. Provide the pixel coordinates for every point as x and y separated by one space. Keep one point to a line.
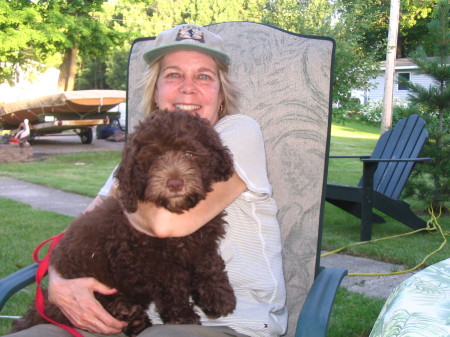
66 81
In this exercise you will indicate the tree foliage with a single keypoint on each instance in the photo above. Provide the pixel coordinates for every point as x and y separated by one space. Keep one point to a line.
23 39
135 19
433 103
33 32
370 21
354 66
99 33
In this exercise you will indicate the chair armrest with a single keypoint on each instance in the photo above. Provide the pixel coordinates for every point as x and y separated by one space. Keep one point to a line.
355 156
377 160
16 281
315 314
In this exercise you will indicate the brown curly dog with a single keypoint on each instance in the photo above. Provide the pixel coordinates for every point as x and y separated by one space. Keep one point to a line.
171 159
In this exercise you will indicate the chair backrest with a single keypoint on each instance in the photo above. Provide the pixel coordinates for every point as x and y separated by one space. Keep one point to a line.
285 81
404 141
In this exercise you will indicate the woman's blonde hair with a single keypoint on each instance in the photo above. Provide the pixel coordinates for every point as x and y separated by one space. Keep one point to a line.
227 86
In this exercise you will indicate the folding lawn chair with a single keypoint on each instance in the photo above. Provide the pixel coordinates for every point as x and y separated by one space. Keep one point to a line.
285 81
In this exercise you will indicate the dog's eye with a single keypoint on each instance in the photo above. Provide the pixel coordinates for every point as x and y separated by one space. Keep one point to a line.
196 154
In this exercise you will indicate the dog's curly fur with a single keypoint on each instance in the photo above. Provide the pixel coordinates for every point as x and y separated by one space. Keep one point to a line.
171 159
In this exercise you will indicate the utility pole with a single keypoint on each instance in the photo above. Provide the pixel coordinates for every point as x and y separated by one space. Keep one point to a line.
386 118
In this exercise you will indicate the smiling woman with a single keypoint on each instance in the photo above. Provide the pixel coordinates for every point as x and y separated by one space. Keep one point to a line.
192 87
208 46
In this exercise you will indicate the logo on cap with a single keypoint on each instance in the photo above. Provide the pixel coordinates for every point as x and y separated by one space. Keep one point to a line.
190 33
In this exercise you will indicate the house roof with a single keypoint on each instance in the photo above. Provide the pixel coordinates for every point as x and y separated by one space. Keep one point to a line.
403 63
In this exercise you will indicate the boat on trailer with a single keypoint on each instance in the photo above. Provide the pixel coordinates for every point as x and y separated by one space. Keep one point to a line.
79 111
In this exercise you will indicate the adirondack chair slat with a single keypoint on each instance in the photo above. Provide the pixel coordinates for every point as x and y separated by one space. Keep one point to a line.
396 153
391 149
401 174
393 170
403 178
409 145
382 150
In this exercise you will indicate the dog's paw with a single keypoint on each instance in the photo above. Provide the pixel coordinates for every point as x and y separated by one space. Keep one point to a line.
185 315
138 321
220 302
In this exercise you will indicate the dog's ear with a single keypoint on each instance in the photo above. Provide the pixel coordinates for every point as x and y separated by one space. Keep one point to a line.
221 160
132 171
136 160
124 174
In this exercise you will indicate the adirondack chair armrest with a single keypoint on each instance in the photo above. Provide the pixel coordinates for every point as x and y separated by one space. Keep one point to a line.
354 156
14 282
316 311
370 165
377 160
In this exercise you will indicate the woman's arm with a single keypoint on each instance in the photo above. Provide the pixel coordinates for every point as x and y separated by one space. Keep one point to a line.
75 298
99 199
159 222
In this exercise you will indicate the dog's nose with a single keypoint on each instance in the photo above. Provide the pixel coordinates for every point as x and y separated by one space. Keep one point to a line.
174 185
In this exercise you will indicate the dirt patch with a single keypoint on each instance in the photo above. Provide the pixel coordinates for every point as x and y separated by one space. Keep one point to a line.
12 153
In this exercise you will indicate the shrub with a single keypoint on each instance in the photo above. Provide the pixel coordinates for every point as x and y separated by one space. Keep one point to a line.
371 111
346 110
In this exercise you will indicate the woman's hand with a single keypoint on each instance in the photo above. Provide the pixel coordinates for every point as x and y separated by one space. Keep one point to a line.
75 298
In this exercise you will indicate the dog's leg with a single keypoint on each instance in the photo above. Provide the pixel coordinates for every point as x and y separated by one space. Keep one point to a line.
177 312
124 309
212 291
173 301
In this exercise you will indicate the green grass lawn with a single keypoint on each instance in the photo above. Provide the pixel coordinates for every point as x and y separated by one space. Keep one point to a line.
22 228
83 173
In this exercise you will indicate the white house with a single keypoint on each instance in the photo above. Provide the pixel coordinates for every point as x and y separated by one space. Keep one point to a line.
403 68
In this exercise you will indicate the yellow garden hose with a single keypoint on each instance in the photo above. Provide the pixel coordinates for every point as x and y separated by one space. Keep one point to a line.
432 225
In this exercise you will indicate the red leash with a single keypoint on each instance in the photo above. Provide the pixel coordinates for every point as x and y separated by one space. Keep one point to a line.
40 273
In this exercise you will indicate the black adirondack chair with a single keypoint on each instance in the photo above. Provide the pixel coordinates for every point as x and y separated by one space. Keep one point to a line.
385 174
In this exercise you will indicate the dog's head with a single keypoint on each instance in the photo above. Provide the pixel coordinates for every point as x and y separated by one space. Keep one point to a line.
171 159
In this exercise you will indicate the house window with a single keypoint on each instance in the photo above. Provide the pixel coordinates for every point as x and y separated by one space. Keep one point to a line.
404 76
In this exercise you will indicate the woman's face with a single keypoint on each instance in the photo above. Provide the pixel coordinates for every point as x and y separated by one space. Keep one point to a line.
189 81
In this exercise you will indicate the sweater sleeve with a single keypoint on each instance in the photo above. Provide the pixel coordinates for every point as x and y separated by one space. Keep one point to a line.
243 136
104 191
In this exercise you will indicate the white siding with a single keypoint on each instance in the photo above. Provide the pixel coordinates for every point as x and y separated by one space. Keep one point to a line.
378 92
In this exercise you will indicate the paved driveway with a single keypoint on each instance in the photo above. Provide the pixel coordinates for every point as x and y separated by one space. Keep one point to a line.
71 143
